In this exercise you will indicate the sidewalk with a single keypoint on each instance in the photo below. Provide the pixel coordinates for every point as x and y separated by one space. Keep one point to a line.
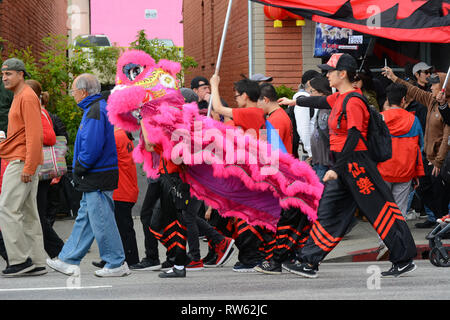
357 246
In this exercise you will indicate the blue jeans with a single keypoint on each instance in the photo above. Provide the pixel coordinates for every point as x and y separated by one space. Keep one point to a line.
95 220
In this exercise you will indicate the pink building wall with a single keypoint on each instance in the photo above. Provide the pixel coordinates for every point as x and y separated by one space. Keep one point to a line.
121 20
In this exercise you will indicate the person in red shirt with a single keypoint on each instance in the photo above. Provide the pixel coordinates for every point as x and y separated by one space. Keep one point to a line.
247 115
353 181
250 241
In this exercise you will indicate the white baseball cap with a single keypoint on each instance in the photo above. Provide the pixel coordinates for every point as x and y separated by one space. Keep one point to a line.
421 66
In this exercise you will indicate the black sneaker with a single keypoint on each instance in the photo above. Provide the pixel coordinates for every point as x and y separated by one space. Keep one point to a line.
242 267
173 273
302 269
166 265
399 269
146 265
209 261
99 264
18 269
269 267
38 271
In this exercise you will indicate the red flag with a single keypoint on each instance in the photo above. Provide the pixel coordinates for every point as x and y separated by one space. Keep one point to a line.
401 20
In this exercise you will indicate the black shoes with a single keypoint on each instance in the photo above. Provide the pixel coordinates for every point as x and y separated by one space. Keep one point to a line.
173 273
146 265
99 264
19 269
269 267
426 224
399 269
302 269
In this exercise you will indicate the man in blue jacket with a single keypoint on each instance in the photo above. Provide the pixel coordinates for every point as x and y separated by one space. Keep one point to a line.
96 175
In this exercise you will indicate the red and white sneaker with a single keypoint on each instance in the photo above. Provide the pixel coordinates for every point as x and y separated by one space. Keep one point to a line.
195 265
223 251
444 219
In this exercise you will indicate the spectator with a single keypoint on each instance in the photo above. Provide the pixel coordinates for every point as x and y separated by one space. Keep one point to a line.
52 242
201 87
434 193
95 174
406 164
304 117
19 217
320 138
364 82
353 181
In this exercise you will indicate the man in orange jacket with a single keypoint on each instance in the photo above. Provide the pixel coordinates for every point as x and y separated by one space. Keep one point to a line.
406 164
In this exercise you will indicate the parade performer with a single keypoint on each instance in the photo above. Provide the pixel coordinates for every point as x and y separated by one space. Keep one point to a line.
220 163
222 166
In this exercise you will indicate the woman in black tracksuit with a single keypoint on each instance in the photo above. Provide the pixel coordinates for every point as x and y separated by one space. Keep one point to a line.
353 181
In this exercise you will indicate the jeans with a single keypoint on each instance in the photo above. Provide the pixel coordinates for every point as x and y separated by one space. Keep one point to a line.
320 170
430 215
95 220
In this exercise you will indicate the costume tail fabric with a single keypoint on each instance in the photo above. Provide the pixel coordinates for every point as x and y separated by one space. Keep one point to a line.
230 170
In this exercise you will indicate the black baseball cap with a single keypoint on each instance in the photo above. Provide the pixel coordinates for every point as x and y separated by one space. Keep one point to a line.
199 81
434 78
16 65
340 61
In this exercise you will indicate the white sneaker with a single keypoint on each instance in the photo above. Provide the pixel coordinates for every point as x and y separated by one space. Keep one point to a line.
382 252
412 215
63 267
121 271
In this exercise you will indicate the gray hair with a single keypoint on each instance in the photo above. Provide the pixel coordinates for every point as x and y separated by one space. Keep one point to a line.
88 82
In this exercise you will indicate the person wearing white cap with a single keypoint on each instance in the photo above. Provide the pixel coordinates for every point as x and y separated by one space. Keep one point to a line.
421 72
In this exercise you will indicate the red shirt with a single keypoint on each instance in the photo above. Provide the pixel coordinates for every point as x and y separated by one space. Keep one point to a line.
281 121
357 116
127 189
249 118
47 128
170 166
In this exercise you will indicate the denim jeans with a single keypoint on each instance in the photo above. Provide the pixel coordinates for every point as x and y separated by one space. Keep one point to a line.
95 220
320 170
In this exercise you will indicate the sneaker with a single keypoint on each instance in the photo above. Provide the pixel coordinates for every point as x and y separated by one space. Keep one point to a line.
146 265
398 270
383 252
444 219
412 215
269 267
99 264
63 267
209 261
195 265
121 271
38 271
241 267
425 225
166 265
302 269
173 273
18 269
222 250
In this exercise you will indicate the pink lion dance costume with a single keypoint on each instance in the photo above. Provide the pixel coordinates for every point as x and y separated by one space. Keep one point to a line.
219 168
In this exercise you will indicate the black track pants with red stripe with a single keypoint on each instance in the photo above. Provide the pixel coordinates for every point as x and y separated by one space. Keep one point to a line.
168 226
251 242
292 233
359 185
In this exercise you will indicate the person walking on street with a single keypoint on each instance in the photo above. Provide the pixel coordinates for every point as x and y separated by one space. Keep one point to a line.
96 175
19 217
353 181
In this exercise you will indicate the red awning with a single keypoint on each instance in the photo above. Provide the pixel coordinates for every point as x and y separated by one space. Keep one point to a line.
401 20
